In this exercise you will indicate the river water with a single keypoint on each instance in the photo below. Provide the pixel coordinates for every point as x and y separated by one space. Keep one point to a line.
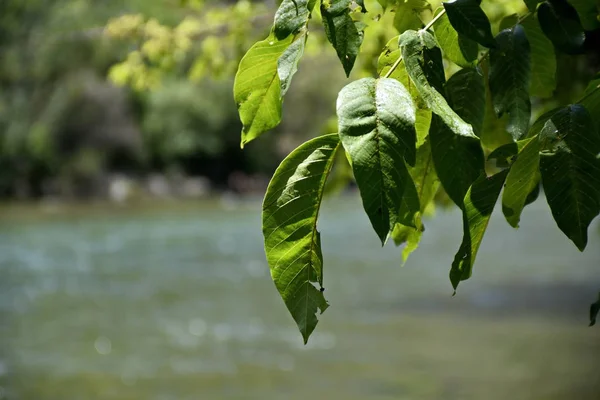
176 302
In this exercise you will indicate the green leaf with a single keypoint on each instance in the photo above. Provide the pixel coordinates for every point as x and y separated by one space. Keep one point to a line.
539 123
361 3
571 171
292 242
456 47
588 12
509 21
458 159
591 100
427 184
377 128
423 62
509 79
407 14
384 3
494 132
467 17
290 18
560 23
543 60
342 32
403 234
522 180
287 64
387 58
479 203
466 93
422 126
594 310
257 90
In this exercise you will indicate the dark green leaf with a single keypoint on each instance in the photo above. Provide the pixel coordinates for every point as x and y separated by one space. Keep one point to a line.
467 17
479 203
594 310
257 90
560 23
423 62
377 128
571 171
287 64
457 48
292 242
291 16
543 60
591 100
342 32
458 159
466 94
509 79
523 178
588 12
532 4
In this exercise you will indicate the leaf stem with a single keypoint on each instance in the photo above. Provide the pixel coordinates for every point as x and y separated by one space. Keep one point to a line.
429 25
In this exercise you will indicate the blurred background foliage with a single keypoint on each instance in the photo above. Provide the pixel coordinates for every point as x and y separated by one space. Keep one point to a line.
140 90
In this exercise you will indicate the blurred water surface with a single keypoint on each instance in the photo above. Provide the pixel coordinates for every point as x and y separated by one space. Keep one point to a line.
177 303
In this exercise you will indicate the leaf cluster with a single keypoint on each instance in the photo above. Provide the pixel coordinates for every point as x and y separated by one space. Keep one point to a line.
450 111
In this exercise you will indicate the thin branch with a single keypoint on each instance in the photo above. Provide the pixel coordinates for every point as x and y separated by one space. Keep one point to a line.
591 92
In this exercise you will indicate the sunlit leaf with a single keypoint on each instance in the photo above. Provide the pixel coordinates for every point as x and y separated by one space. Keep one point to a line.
257 90
385 3
407 14
543 60
427 184
292 242
377 129
423 62
509 79
560 23
571 171
522 180
479 203
342 31
467 17
456 47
